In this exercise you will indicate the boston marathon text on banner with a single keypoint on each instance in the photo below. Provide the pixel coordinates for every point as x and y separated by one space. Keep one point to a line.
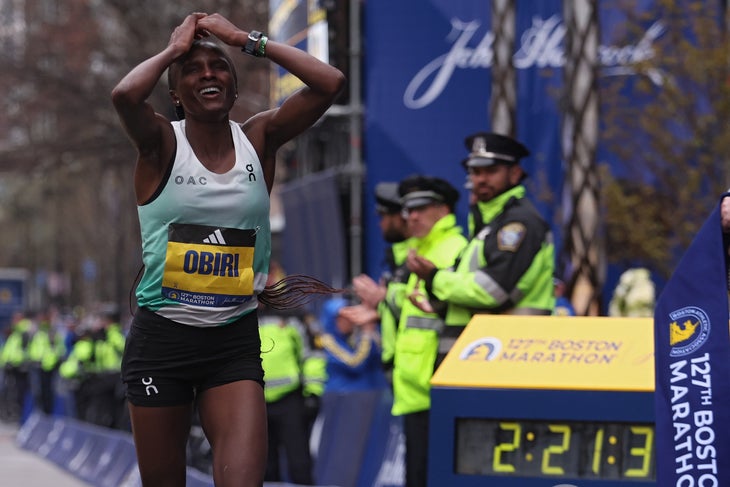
692 351
561 351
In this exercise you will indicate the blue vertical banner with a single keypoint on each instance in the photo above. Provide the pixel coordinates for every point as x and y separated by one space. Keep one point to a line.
539 59
427 85
692 365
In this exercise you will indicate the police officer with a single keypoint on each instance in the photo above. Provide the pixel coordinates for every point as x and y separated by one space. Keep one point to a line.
384 296
428 204
508 265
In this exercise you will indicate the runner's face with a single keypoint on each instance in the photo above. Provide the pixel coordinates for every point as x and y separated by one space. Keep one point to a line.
206 85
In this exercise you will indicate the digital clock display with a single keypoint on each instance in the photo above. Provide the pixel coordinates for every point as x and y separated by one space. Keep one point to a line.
560 449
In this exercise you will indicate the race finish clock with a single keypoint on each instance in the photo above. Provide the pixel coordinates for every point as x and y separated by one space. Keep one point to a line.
545 402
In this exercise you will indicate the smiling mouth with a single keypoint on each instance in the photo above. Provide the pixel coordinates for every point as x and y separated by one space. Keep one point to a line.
210 91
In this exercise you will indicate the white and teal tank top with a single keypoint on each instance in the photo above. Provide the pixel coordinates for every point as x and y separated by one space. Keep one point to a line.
206 239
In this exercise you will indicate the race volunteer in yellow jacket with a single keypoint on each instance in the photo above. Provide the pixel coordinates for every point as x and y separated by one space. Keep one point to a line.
283 353
508 266
429 205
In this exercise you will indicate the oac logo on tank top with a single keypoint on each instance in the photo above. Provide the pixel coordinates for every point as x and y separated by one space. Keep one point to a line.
209 266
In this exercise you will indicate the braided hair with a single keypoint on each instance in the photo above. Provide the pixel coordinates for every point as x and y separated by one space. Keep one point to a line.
294 291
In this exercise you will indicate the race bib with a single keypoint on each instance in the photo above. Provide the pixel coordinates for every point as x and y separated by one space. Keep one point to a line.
209 266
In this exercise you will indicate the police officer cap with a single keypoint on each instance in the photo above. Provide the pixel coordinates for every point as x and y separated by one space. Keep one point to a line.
387 199
487 149
420 190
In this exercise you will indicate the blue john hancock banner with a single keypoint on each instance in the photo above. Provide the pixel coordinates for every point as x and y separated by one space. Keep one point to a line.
692 356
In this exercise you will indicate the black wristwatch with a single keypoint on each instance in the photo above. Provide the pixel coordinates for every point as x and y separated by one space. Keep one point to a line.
250 48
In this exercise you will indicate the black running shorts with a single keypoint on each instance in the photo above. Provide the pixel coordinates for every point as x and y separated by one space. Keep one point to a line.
167 363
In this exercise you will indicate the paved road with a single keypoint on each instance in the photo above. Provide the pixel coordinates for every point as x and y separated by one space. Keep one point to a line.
21 468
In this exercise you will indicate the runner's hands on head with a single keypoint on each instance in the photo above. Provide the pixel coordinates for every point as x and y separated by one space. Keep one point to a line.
184 34
220 27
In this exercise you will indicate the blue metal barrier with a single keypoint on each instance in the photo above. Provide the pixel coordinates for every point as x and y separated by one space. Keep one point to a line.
99 456
361 445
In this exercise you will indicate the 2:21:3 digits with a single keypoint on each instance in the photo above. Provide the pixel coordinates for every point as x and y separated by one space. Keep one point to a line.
519 448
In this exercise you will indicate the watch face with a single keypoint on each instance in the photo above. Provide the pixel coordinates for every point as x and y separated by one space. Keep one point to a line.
253 38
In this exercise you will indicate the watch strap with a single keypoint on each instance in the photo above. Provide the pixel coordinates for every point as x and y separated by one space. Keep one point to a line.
250 47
